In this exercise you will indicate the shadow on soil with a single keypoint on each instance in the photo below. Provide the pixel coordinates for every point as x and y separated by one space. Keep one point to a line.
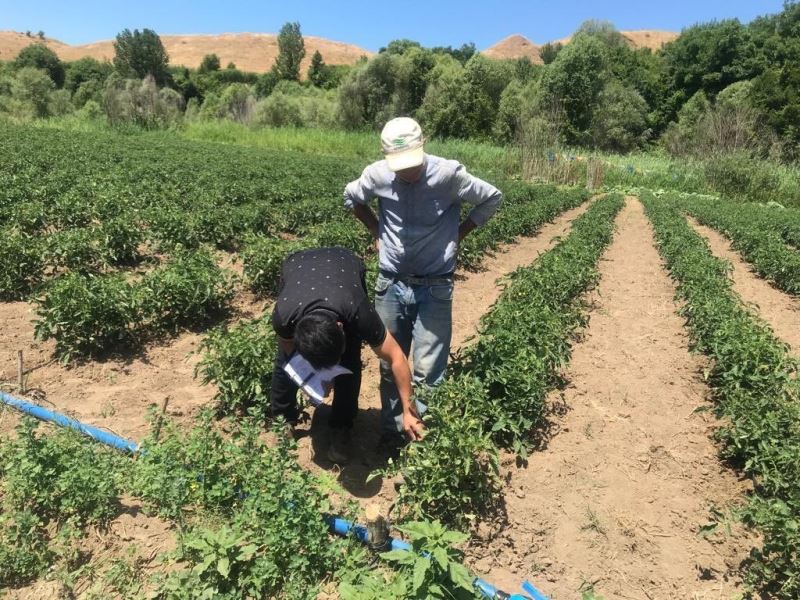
365 455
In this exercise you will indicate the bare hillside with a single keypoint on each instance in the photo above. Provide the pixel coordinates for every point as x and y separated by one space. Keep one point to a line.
514 46
642 38
517 46
254 52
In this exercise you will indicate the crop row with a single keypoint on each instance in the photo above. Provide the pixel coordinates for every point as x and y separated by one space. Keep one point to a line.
91 314
91 201
756 389
495 394
760 233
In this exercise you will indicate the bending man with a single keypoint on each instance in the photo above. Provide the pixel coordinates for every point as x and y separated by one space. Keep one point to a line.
322 311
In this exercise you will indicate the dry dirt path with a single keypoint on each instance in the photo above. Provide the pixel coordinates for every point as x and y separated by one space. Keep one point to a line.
779 309
473 296
616 499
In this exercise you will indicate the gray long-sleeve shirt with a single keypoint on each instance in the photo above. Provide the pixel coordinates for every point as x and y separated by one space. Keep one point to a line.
418 222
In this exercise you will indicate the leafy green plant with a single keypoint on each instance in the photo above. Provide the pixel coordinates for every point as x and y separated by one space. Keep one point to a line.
347 234
59 475
21 264
262 258
51 487
181 469
120 237
173 228
86 314
189 290
24 552
760 235
453 473
270 538
239 361
433 568
74 249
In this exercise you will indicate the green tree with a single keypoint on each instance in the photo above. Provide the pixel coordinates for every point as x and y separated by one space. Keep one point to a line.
573 82
462 54
390 84
238 103
265 84
139 54
605 31
291 51
40 56
32 88
709 57
619 122
316 71
210 63
549 51
442 112
509 111
84 70
400 46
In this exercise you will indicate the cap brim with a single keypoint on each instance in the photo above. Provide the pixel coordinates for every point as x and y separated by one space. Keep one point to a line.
405 160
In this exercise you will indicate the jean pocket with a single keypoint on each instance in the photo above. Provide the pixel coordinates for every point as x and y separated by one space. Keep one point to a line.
443 293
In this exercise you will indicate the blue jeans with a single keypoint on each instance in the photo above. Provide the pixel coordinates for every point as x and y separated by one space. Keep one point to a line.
419 316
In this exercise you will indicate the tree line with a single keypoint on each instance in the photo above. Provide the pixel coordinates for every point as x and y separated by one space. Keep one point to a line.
720 86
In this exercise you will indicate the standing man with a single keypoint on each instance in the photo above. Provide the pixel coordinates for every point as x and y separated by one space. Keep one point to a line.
418 229
323 312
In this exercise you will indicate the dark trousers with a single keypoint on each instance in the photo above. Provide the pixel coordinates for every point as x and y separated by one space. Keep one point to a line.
346 388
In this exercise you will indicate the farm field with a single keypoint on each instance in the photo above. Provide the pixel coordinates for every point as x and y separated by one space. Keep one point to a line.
620 420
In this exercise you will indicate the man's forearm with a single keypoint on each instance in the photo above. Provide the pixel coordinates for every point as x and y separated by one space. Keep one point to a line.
402 378
464 229
364 214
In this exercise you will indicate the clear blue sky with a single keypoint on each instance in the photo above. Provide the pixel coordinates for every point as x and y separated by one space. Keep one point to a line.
368 24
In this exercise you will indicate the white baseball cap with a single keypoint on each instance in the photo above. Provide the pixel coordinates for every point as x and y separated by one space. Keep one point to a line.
402 142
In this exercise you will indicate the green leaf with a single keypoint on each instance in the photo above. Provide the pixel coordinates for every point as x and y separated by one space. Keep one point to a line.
224 566
460 576
421 568
440 554
404 557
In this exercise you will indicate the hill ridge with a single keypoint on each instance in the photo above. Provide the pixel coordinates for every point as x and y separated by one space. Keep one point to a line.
256 51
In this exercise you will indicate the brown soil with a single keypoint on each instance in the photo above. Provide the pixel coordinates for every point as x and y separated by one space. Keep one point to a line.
780 310
253 52
616 499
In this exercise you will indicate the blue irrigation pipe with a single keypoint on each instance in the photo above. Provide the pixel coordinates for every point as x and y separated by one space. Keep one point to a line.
336 524
99 435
